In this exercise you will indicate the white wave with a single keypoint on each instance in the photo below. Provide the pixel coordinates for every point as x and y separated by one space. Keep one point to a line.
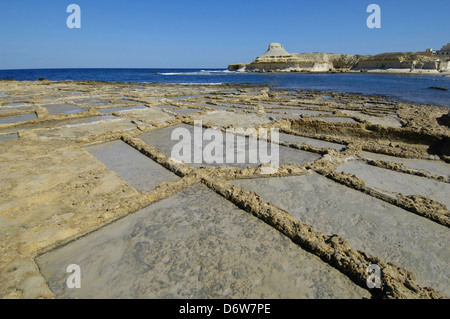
215 71
201 72
170 73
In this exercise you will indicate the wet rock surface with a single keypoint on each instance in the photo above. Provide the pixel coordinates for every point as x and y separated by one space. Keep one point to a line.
194 244
369 224
141 172
94 161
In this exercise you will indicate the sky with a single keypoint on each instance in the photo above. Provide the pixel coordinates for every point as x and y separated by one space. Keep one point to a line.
208 33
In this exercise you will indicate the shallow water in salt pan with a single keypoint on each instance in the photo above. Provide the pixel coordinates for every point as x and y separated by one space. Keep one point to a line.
137 169
194 244
18 118
369 224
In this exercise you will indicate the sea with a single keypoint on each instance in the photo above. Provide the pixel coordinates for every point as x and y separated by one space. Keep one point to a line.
413 88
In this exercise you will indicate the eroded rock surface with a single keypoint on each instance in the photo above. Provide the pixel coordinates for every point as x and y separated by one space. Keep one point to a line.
80 160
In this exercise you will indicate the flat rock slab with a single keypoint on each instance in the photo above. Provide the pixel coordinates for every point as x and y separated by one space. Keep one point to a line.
18 118
194 244
8 137
236 105
161 139
90 119
439 168
395 182
135 168
148 115
369 224
217 107
90 130
296 111
335 119
19 105
49 191
55 109
90 101
167 106
22 108
274 116
225 119
310 141
116 109
184 111
388 120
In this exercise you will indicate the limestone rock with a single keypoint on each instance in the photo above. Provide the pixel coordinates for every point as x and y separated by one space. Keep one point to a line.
277 59
275 50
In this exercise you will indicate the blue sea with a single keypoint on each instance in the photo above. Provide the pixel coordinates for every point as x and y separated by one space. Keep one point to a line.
410 88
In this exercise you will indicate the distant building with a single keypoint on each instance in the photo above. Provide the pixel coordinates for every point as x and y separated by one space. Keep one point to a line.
444 51
427 52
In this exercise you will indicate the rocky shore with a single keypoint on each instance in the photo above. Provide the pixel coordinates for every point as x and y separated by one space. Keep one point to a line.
277 59
88 179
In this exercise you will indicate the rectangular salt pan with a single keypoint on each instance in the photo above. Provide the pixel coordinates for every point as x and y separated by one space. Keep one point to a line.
108 110
162 140
393 182
194 244
297 111
428 166
8 137
56 109
335 119
369 224
135 168
185 111
311 141
18 118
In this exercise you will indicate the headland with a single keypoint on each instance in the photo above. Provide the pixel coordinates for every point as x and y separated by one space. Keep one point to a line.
277 59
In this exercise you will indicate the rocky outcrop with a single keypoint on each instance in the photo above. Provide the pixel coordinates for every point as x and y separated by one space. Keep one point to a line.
398 60
238 67
277 59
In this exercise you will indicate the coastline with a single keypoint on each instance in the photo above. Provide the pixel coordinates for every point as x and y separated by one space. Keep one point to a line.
277 59
415 88
361 71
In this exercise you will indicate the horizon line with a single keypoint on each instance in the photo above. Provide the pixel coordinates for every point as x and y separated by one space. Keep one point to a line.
112 68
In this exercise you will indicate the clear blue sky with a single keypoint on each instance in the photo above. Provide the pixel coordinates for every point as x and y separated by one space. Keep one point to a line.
208 33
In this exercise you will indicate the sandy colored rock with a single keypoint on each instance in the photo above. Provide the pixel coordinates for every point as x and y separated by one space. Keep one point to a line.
231 119
152 116
53 192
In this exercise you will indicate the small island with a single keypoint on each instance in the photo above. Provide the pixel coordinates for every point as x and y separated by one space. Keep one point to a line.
277 59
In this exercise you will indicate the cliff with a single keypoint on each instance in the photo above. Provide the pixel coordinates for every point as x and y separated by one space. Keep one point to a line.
277 59
400 60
